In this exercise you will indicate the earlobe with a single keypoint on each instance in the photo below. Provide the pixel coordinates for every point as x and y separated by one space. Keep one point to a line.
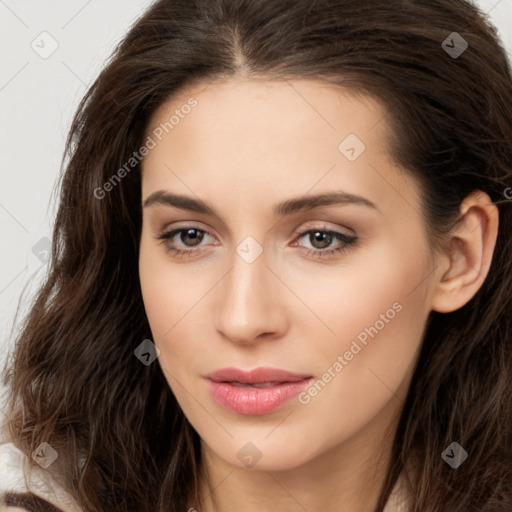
468 254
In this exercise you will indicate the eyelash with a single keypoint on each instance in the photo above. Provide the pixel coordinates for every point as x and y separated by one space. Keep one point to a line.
316 253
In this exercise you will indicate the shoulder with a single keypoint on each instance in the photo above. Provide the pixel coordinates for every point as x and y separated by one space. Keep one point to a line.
24 489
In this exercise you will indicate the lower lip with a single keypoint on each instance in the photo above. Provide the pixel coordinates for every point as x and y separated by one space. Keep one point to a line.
255 401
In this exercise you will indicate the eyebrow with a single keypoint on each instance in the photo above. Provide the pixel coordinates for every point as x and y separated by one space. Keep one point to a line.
162 197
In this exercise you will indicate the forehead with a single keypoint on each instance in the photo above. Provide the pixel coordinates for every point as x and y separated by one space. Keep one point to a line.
261 137
267 104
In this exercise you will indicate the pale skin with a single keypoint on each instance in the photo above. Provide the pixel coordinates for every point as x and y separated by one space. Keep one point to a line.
248 145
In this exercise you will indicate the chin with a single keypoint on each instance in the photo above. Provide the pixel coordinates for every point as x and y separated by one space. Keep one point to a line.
264 454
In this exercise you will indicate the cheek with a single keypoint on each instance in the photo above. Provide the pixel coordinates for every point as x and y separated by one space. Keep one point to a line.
169 290
365 291
155 292
167 297
376 312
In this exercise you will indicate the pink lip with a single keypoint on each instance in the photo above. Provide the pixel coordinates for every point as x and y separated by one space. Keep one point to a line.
255 400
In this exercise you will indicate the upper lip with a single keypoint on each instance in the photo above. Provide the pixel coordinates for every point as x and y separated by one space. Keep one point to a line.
255 376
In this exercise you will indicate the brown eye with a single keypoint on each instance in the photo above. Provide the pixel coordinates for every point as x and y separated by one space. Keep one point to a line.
185 244
323 239
195 236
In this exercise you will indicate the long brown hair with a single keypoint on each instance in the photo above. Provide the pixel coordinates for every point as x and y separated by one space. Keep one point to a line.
123 442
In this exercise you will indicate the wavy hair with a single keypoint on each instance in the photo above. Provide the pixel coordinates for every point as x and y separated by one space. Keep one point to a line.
123 442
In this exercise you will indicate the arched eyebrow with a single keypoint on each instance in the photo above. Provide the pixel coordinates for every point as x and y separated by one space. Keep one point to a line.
304 203
28 501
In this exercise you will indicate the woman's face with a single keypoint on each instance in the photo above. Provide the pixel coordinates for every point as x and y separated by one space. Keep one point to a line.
337 292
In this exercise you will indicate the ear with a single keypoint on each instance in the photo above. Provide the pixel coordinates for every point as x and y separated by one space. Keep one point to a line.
464 263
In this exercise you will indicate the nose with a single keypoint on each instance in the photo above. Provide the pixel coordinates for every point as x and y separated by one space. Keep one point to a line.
249 302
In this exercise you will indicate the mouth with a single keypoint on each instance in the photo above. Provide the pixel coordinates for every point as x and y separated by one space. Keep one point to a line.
261 375
255 392
254 384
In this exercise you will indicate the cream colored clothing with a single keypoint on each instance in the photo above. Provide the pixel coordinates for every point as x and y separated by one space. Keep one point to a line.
13 466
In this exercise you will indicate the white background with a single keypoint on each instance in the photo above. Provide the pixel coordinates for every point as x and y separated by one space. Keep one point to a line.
37 99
